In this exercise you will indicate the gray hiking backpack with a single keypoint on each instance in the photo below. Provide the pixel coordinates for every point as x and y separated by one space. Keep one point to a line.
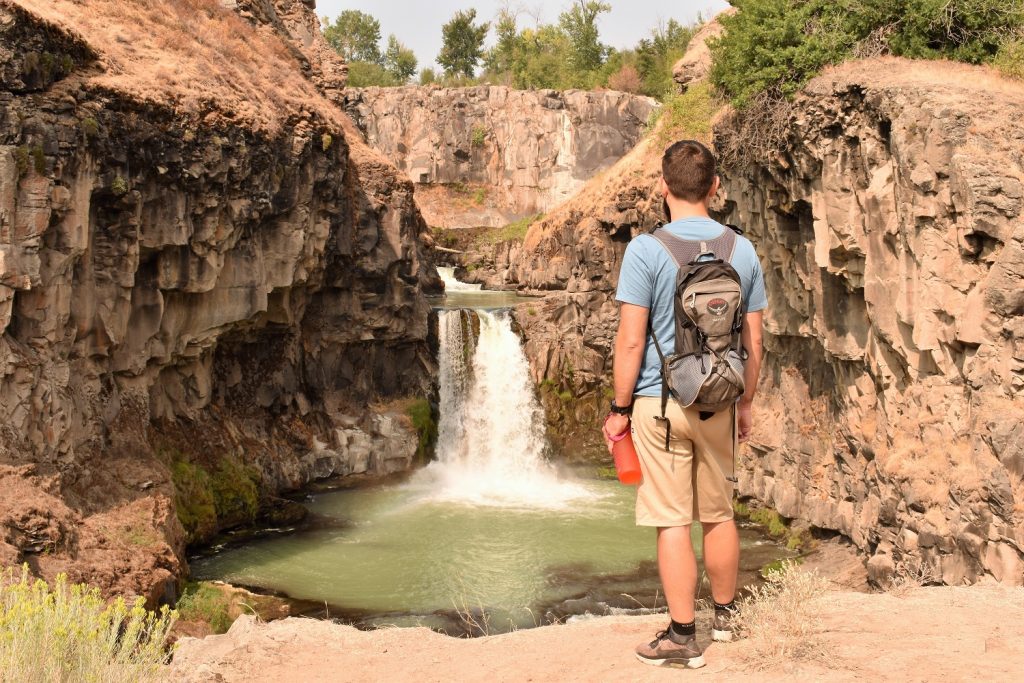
706 370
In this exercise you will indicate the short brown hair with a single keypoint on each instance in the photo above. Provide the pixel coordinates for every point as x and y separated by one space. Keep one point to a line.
689 169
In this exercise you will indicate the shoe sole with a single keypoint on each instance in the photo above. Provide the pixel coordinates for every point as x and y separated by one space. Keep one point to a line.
692 663
721 636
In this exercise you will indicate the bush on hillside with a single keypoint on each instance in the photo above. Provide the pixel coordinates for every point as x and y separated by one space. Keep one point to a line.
69 633
1010 58
776 46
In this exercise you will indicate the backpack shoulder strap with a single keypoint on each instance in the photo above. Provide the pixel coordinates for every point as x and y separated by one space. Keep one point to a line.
685 251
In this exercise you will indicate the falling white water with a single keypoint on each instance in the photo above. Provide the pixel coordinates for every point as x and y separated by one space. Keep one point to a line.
491 434
447 274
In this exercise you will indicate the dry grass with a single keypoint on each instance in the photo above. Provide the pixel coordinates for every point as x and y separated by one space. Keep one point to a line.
782 619
193 54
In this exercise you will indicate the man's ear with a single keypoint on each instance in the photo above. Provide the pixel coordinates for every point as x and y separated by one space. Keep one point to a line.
715 187
663 186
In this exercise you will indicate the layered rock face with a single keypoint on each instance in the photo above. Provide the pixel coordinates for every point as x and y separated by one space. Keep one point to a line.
195 307
490 154
889 226
891 234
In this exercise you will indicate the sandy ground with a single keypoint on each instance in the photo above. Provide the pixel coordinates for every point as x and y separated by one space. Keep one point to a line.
929 634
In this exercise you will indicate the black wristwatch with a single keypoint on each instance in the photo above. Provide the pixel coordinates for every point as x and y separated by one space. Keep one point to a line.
621 410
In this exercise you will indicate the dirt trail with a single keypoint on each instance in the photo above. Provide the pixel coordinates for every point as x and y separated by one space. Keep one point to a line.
930 634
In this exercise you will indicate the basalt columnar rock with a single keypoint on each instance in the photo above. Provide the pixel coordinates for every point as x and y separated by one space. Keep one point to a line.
204 280
487 155
889 223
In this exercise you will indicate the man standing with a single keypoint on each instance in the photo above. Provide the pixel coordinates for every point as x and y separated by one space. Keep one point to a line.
688 470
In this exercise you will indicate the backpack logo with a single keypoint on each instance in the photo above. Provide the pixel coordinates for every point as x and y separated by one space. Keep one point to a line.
718 307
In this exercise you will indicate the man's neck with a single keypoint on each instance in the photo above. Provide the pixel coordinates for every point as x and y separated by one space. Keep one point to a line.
680 210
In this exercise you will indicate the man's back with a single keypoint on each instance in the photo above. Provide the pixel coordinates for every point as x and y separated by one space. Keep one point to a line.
648 277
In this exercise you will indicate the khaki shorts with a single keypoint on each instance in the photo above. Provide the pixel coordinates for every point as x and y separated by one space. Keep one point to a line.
688 481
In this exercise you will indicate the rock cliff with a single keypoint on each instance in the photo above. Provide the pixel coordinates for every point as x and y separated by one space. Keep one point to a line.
889 225
205 277
487 155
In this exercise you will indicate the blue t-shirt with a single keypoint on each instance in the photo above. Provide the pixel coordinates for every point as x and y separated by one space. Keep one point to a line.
648 276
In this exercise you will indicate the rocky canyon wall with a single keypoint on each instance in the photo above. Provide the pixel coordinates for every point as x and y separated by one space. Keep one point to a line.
204 281
487 155
889 225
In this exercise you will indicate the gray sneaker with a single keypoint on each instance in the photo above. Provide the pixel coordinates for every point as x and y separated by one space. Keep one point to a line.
721 629
668 649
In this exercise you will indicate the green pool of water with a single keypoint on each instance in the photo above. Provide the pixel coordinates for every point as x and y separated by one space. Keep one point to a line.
395 555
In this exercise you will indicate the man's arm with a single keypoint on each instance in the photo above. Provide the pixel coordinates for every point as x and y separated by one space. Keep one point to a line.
751 336
630 342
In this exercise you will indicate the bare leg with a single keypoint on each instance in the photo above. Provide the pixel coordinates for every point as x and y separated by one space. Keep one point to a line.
721 559
678 568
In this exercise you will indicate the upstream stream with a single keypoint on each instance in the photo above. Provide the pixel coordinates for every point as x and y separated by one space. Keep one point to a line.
491 536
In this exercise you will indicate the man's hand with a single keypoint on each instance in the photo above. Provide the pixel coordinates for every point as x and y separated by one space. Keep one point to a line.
745 419
614 425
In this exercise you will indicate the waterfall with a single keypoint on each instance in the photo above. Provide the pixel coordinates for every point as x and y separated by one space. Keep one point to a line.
491 441
447 274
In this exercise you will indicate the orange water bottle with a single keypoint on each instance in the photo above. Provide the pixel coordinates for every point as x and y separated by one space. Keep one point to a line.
627 464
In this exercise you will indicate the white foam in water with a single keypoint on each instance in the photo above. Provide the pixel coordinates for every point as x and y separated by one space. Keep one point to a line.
491 434
447 274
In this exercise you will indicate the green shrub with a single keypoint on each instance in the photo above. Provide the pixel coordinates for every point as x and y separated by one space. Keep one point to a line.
119 186
70 633
38 159
1010 58
89 126
776 46
479 195
479 136
205 602
21 158
688 115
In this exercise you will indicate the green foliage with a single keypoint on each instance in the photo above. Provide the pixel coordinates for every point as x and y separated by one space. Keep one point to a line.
202 601
1010 58
479 136
39 159
776 46
70 633
512 232
688 115
422 418
365 74
770 520
326 140
119 186
479 195
399 61
428 76
655 57
355 36
21 159
193 500
89 126
462 44
235 490
579 23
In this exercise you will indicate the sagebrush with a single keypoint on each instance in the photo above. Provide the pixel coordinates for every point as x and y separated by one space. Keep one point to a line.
782 617
69 633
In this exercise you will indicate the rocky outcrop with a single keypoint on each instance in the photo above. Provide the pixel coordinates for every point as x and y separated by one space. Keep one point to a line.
695 65
889 226
491 154
198 300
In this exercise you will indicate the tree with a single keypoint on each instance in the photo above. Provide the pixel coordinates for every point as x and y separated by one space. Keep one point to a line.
399 61
580 24
501 59
427 76
463 44
355 36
